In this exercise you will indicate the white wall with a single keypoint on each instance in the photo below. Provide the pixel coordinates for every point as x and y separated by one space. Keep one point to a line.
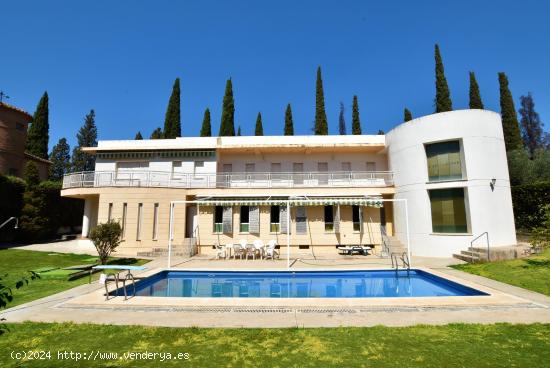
163 164
484 158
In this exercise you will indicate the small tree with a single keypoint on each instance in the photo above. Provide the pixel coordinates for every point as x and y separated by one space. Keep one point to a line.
239 131
289 124
475 96
157 134
138 136
86 137
259 126
172 120
206 129
442 93
321 124
407 115
61 160
355 121
530 125
342 120
106 238
227 124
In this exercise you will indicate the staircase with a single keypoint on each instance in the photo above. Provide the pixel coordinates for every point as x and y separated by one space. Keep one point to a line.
186 249
472 255
390 244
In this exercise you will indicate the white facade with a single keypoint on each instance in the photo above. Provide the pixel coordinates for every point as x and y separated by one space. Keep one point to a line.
483 155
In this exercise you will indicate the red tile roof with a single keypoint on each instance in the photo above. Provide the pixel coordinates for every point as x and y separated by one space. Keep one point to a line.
8 106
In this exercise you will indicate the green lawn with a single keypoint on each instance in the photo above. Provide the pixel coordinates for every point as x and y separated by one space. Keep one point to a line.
16 263
531 273
458 345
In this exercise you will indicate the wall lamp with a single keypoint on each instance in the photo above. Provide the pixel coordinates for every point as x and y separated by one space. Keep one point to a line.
492 184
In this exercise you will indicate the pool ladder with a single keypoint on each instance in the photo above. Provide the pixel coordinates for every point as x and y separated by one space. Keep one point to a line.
404 257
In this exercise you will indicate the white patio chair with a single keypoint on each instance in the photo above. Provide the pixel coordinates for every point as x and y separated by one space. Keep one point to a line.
260 247
270 252
220 251
238 250
250 251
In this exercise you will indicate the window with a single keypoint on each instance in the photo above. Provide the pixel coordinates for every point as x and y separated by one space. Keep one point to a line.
245 219
177 169
124 211
274 219
155 220
329 218
110 212
356 218
448 210
371 166
139 216
218 219
132 166
346 166
250 168
444 161
198 166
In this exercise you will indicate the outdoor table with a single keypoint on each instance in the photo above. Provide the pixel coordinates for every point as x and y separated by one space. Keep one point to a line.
116 277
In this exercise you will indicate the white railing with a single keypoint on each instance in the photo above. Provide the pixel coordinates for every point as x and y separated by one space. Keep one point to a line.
89 179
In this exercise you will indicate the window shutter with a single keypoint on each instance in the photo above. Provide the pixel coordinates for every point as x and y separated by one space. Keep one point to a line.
282 220
337 220
361 219
301 220
254 220
227 219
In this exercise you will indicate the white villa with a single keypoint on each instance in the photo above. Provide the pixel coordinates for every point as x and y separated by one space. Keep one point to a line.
442 176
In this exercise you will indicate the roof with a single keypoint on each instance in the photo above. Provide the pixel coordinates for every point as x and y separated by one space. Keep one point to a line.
36 158
10 107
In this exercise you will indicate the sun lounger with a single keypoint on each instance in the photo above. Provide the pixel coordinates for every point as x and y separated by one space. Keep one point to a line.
351 249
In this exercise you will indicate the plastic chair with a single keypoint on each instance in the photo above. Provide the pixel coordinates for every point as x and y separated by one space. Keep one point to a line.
220 251
270 251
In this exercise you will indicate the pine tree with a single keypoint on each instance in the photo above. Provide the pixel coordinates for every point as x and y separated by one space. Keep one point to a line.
289 124
138 136
172 121
239 131
355 121
61 160
407 116
531 126
510 125
38 134
321 124
475 96
156 134
227 124
341 121
86 137
206 129
442 93
259 126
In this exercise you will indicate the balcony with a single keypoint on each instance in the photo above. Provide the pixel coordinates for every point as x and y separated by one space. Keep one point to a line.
158 179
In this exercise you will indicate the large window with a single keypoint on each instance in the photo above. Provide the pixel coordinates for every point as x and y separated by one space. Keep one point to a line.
245 219
356 218
218 219
329 218
444 161
448 210
274 219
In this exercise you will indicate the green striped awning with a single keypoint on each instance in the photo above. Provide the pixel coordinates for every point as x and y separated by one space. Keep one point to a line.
315 201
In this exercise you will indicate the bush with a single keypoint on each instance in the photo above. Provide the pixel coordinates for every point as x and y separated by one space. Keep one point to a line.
106 237
529 201
11 202
541 234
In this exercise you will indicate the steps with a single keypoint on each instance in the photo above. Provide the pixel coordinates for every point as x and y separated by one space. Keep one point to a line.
472 255
395 245
187 249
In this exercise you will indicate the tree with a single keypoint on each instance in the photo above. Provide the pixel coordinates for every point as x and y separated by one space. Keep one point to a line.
206 129
61 160
86 137
475 96
31 175
156 134
106 238
259 126
172 120
541 234
239 131
531 126
227 124
289 124
321 124
442 93
38 134
510 125
341 121
34 220
355 122
407 115
380 132
138 136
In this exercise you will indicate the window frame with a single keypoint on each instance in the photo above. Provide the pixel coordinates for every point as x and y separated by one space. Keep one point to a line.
440 178
244 226
218 226
439 228
329 225
275 227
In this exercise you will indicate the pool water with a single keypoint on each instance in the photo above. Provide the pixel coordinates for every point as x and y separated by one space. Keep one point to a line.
300 284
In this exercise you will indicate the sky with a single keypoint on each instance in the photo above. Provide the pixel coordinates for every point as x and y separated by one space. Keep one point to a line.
120 58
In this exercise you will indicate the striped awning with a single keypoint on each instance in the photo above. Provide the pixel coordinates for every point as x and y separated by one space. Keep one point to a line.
314 201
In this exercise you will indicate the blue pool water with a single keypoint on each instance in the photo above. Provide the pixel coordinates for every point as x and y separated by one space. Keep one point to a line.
300 284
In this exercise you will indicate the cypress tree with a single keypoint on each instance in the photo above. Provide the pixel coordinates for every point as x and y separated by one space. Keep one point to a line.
442 93
407 116
289 124
227 124
138 136
239 131
206 129
259 126
510 125
172 121
380 132
475 96
321 124
355 122
38 134
86 137
61 160
156 134
341 121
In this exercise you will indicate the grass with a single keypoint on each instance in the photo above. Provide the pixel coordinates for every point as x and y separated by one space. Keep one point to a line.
457 345
16 263
531 273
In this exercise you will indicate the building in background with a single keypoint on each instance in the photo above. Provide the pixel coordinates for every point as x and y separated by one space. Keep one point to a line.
449 167
14 123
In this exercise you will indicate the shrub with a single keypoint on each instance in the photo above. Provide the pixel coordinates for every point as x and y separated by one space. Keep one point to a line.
106 238
541 234
529 201
11 202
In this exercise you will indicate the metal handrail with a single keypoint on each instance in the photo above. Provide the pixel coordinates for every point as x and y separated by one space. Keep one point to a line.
479 236
11 219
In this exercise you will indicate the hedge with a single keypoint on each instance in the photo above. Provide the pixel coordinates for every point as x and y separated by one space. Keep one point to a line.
11 202
528 201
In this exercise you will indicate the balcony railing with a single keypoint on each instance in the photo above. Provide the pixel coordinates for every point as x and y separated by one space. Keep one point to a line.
149 179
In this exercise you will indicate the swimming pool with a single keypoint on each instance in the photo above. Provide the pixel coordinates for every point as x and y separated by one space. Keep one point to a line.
300 284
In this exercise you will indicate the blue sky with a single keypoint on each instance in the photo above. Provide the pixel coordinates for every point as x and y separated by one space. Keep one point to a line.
121 58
